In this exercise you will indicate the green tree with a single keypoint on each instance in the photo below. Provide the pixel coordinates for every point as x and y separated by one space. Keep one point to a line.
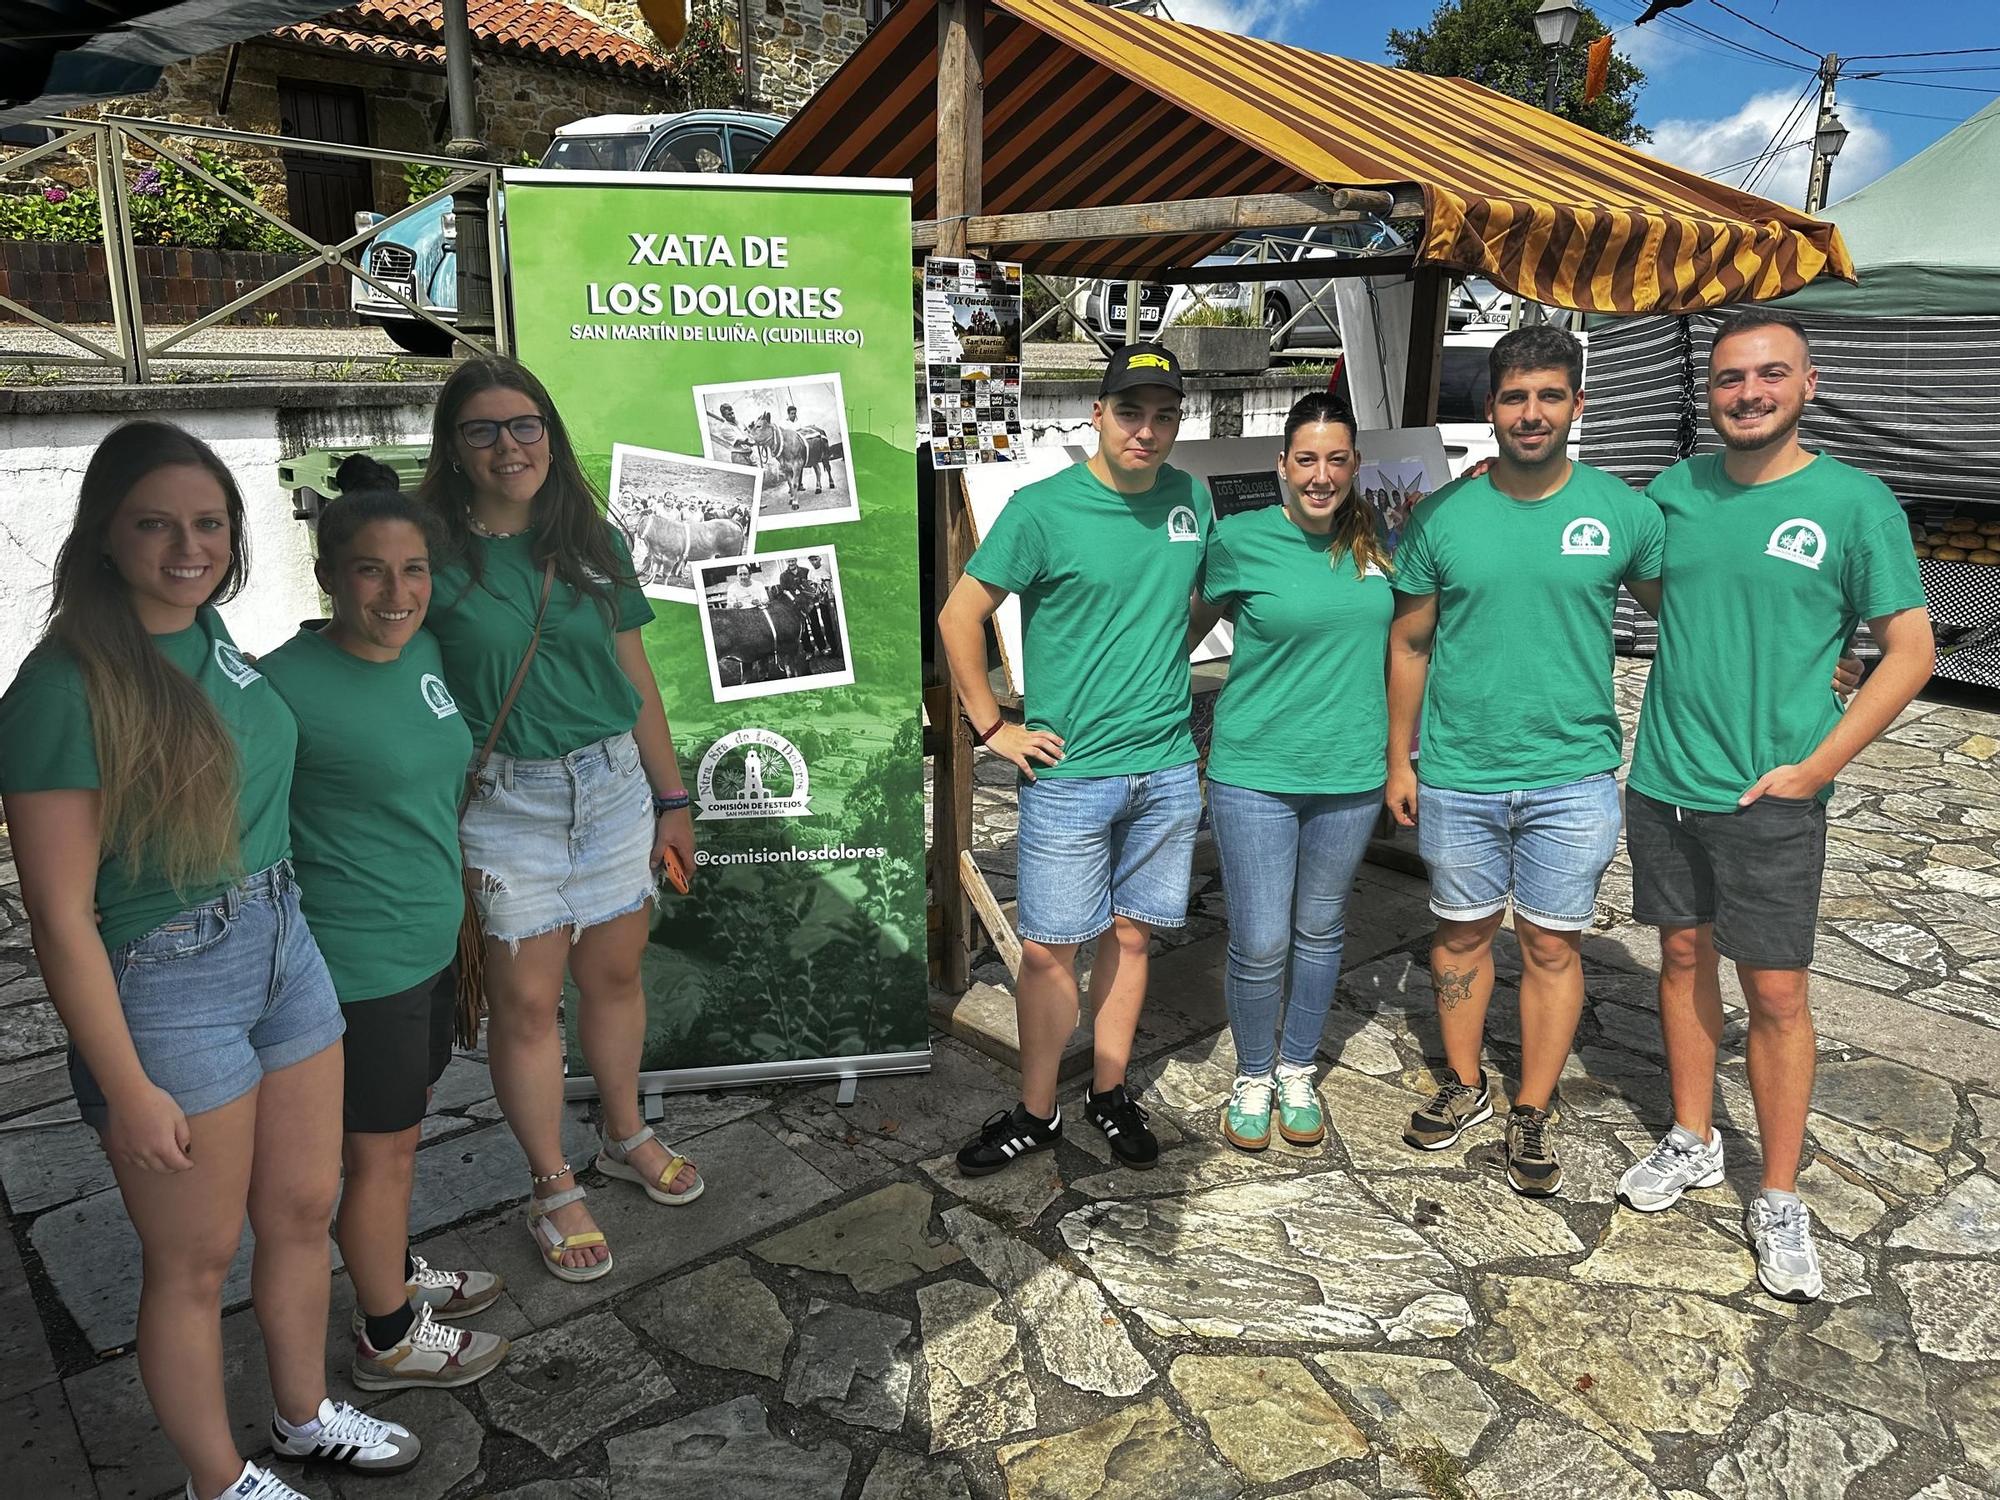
1493 42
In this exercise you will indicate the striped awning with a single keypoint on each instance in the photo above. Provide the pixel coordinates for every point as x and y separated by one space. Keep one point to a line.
1087 106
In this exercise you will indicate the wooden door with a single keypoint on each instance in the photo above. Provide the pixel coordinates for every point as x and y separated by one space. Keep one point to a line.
325 192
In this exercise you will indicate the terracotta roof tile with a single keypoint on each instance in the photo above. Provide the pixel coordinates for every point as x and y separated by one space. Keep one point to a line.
543 30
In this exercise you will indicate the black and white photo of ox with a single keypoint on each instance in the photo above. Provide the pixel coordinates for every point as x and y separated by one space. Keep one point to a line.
793 430
676 510
774 624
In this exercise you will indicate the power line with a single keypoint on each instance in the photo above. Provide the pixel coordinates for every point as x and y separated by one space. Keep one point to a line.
1911 83
1740 47
1912 72
1751 161
1904 114
1773 35
1949 52
1751 177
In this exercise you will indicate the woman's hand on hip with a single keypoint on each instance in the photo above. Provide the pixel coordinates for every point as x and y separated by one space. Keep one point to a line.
148 1130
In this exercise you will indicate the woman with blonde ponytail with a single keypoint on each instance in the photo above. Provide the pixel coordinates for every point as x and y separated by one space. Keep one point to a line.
1295 770
145 767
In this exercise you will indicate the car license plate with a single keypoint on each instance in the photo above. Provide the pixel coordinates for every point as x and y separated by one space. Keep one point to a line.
402 286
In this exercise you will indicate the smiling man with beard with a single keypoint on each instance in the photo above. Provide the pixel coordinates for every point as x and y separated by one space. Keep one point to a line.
1773 555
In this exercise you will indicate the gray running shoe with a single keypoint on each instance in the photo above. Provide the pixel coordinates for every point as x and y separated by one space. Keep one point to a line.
430 1353
452 1294
1452 1110
1787 1263
1681 1161
1533 1168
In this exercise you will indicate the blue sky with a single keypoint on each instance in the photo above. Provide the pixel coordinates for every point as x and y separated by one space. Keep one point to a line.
1709 105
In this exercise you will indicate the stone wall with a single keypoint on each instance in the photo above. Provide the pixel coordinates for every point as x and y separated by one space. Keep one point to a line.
797 44
68 283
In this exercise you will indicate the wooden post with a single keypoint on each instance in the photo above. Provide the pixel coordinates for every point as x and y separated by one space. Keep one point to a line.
1426 361
960 173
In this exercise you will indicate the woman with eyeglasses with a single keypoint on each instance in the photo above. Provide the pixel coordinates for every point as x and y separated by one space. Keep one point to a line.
582 799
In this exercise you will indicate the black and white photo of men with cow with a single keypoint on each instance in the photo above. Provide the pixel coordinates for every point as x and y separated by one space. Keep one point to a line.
774 624
676 510
795 431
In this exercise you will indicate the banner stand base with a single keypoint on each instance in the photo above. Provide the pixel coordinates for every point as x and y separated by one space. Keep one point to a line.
847 1070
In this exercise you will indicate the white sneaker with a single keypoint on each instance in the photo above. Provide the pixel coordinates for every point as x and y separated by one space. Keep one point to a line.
253 1484
1681 1161
1787 1263
429 1353
452 1294
343 1435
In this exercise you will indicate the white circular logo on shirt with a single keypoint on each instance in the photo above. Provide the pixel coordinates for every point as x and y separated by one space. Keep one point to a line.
1586 536
232 665
1798 540
437 697
1182 525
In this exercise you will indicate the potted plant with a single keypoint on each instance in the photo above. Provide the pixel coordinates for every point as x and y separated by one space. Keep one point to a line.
1219 341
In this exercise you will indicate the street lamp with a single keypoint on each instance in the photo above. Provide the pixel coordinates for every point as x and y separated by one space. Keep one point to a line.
1555 24
1828 137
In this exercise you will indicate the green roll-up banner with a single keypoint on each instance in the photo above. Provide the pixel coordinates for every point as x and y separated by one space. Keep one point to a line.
732 356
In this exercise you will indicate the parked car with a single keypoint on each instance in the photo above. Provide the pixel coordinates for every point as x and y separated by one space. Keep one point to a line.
419 256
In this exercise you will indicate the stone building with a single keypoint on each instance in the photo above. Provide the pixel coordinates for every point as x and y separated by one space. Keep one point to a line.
795 44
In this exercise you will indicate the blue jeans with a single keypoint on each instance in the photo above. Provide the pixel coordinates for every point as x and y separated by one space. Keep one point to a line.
1545 849
1288 863
1091 847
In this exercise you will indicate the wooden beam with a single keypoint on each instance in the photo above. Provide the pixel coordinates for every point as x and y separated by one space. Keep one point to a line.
990 916
1428 305
1123 221
961 122
1326 268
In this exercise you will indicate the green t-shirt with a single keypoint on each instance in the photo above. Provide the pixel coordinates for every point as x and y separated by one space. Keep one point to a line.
1306 706
1519 690
575 693
1762 588
381 762
1104 581
47 745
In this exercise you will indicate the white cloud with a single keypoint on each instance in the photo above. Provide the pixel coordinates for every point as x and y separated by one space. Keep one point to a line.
1269 19
1652 47
1706 145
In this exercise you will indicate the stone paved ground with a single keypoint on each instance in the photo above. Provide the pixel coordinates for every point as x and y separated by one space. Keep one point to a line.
842 1318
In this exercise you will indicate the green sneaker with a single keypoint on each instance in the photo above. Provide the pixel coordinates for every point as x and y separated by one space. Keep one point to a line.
1299 1118
1246 1119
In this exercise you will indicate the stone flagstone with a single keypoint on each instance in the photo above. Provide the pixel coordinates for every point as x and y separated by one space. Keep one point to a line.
1063 1315
1954 1307
1369 1116
726 1452
1479 1220
1864 1357
1141 1452
1308 1258
687 1313
1548 1461
876 1242
1843 1205
51 1163
852 1364
1370 1048
1196 1165
1670 1250
1624 1362
1018 1195
1267 1415
558 1489
1975 1422
451 1438
1902 1169
563 1386
1965 1222
978 1388
1800 1455
1875 1094
1416 1402
903 1476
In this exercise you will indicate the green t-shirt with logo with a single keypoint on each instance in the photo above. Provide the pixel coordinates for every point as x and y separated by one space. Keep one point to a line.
575 693
1763 585
1306 706
381 762
1104 581
1519 692
47 744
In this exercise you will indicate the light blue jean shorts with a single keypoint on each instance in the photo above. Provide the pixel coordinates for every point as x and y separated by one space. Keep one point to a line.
560 843
1091 847
220 995
1546 849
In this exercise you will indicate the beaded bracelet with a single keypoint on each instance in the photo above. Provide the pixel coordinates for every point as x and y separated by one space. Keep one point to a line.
671 802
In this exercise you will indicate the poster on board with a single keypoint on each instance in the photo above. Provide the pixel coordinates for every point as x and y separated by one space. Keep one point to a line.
972 351
739 386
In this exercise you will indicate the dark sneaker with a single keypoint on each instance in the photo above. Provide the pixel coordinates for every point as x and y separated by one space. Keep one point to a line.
1118 1115
1454 1109
1007 1135
1533 1169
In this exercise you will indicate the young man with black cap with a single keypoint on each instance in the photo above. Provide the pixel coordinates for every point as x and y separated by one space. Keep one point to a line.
1104 557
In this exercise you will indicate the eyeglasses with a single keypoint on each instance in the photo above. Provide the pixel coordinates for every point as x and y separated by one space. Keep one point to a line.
528 429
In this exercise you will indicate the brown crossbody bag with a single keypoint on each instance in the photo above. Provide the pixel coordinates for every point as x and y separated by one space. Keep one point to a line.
471 930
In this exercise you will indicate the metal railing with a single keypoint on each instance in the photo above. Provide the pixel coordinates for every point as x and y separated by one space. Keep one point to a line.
109 142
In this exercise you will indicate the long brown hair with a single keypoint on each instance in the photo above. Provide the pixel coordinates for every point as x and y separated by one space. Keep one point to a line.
568 511
1356 528
167 767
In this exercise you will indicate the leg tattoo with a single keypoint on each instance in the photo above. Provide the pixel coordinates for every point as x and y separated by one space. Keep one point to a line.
1453 986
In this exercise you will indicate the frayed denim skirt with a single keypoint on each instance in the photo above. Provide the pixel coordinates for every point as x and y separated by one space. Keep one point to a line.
555 844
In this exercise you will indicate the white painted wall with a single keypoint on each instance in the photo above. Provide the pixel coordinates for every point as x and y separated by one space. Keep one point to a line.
43 455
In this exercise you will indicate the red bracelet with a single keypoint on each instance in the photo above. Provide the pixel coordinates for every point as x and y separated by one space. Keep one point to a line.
980 739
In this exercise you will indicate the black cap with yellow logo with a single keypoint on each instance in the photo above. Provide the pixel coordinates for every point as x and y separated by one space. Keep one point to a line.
1141 364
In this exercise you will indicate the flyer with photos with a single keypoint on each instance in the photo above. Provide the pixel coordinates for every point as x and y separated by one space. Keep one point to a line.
972 349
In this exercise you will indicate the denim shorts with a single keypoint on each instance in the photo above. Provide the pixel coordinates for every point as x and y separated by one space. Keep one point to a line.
1544 849
560 843
1091 847
1754 872
220 995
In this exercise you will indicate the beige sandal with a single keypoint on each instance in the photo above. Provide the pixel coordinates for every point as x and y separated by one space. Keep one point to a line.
554 1244
612 1162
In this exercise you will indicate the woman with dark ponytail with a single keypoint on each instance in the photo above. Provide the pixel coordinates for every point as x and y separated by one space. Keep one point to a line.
1295 770
146 768
382 750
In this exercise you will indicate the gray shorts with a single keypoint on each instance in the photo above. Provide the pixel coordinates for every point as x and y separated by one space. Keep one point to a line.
1754 873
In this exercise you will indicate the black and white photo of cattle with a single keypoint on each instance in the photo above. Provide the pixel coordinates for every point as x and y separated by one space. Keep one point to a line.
676 510
795 432
774 624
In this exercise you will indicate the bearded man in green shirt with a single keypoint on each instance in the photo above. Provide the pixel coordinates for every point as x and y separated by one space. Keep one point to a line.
1773 555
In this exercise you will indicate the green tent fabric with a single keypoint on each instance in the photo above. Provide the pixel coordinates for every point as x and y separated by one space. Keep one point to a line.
1925 237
